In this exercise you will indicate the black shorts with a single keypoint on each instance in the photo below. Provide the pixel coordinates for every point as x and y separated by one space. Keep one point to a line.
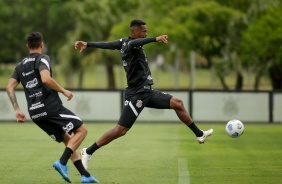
134 104
56 126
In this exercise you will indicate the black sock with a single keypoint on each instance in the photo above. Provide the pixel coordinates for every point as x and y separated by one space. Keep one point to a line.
80 168
66 155
92 149
196 130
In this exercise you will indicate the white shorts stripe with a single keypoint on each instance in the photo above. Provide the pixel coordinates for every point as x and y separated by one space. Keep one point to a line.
133 109
69 116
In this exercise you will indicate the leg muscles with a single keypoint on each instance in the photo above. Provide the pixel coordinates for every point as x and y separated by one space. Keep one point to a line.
180 110
111 134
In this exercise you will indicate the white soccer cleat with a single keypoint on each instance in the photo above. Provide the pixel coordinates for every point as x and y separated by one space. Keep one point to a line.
207 133
85 158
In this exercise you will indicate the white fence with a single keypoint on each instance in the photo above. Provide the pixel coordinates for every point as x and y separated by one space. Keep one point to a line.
204 106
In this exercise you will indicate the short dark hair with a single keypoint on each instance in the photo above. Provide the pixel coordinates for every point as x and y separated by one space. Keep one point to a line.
34 39
137 23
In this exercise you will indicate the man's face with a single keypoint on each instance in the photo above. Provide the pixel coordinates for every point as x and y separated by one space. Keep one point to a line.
140 32
143 31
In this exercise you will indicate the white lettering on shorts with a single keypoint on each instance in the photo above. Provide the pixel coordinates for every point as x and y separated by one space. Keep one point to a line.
68 127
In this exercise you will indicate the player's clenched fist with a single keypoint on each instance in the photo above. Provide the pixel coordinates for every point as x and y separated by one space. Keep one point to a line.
162 38
80 44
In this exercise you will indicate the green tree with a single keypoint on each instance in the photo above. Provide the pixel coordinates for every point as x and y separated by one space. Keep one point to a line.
253 9
261 46
93 20
19 17
206 28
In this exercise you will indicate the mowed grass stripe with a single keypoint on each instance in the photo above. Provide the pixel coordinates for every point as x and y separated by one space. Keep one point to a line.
149 153
252 158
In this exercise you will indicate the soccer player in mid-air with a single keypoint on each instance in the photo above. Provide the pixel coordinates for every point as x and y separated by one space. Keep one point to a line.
45 106
139 92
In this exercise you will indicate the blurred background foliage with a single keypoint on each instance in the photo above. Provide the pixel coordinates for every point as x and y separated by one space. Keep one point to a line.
230 38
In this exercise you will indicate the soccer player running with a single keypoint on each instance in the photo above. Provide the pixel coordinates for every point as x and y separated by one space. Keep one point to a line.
45 106
139 93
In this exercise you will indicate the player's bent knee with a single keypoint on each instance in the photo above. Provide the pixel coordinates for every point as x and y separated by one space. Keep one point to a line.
176 103
85 131
82 130
120 131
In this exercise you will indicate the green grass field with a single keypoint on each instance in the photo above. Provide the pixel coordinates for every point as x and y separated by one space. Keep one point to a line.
150 153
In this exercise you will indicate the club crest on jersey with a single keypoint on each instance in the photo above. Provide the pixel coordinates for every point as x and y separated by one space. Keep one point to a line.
139 103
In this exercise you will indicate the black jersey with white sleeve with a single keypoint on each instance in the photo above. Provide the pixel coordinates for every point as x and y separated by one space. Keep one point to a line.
41 100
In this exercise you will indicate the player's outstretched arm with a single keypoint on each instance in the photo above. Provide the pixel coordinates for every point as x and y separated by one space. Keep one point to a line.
80 44
112 45
142 41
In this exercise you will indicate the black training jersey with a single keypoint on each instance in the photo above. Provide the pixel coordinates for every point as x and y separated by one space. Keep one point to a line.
41 100
134 60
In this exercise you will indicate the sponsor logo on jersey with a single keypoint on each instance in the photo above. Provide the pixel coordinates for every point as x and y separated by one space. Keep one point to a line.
39 115
32 83
26 60
139 103
28 73
68 127
126 103
36 106
36 94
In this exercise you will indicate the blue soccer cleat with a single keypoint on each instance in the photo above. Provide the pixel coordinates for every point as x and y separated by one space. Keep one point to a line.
89 179
62 169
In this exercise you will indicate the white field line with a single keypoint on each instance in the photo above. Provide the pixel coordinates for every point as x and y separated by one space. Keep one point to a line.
184 177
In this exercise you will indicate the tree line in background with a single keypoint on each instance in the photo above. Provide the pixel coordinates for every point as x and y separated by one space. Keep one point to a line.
231 36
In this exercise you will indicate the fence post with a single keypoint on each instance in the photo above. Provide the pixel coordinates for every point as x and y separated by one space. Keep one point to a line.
271 106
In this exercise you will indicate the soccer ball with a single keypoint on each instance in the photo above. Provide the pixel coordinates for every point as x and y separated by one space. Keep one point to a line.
234 128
